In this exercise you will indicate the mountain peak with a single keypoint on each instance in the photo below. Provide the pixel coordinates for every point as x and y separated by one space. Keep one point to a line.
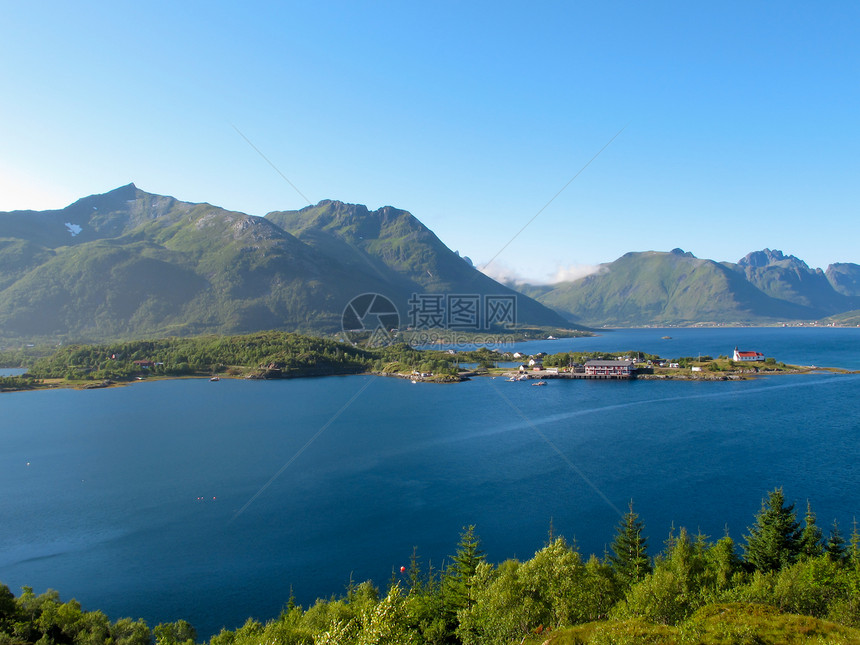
766 257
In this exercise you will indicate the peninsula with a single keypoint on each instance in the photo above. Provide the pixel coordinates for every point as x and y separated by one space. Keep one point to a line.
279 355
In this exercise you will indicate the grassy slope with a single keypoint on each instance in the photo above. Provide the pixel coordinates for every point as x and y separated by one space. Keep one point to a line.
719 624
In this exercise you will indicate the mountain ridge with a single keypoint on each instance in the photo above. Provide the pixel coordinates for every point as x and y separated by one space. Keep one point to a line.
128 263
677 288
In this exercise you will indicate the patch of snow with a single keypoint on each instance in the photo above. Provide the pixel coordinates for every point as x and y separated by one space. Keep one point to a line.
74 229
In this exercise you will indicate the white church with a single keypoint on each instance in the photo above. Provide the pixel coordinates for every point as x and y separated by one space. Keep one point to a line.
747 356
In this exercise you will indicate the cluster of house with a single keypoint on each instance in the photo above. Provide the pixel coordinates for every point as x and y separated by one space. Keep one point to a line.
620 367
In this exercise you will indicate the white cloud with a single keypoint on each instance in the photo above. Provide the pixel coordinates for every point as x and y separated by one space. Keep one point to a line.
502 273
573 272
506 274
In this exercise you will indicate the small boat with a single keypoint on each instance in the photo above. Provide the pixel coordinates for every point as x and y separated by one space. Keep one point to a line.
539 383
666 337
215 378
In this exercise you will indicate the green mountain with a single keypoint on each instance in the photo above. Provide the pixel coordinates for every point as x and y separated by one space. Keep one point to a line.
844 319
648 288
129 264
845 278
788 278
391 242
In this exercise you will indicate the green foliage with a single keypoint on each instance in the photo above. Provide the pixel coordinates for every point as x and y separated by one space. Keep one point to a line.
810 537
459 581
271 354
629 556
565 359
694 592
835 547
548 591
46 620
774 538
675 588
10 383
176 633
723 564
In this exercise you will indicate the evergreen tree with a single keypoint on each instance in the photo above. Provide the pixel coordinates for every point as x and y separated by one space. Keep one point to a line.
774 539
723 562
811 537
414 572
629 558
854 547
458 577
835 547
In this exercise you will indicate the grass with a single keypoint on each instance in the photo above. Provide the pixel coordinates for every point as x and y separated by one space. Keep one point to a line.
720 624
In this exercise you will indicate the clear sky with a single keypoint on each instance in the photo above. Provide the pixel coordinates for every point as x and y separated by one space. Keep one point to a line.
741 120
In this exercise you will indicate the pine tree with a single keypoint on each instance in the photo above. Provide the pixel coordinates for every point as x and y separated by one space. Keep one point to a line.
854 546
629 558
811 537
835 547
458 577
774 539
723 561
414 572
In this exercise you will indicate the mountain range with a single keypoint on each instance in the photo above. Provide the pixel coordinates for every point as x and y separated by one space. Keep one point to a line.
128 263
677 288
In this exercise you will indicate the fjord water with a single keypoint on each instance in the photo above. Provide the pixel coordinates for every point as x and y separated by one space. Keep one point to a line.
129 499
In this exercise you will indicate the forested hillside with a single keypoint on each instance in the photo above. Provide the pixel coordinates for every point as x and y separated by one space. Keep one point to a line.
786 583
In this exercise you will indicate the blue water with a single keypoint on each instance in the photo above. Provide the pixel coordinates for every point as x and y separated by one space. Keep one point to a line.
127 498
11 371
830 346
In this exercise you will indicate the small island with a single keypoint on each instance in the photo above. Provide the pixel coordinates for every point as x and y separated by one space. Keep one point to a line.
282 355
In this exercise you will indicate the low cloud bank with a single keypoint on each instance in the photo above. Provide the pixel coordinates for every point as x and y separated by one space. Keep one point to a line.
502 273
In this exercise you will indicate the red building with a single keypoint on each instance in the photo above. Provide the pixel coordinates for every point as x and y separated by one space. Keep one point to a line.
617 369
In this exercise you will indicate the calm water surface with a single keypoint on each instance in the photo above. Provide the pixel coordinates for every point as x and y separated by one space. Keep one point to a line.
829 346
128 499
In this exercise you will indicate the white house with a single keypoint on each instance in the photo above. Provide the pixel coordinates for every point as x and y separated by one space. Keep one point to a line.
747 356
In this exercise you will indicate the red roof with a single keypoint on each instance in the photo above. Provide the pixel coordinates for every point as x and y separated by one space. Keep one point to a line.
750 354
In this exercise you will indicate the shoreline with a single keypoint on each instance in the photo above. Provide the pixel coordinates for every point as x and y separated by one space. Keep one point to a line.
744 375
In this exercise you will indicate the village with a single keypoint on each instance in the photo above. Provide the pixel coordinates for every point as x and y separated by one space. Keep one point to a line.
742 364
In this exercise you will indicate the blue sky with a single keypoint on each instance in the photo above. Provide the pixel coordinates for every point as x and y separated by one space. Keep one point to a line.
741 121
